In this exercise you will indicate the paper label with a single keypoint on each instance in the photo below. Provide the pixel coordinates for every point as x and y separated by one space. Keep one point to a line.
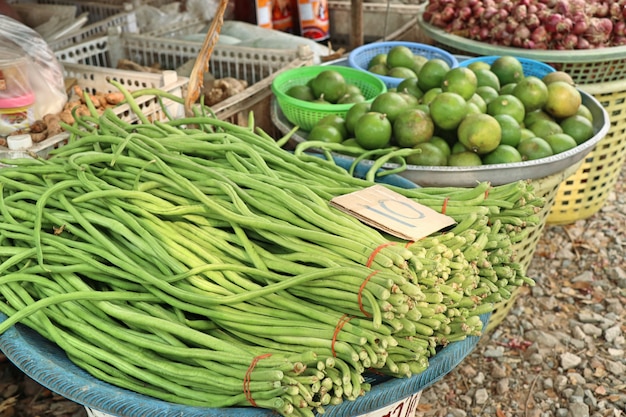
402 408
392 212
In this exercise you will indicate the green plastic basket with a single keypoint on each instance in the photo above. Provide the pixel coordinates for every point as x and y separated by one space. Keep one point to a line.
306 114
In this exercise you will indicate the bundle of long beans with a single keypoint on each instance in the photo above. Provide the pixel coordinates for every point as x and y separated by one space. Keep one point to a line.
196 261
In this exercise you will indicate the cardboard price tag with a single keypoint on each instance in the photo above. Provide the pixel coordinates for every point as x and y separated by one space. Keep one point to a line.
392 212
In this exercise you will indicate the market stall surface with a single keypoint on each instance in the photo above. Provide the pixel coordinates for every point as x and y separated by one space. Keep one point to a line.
560 351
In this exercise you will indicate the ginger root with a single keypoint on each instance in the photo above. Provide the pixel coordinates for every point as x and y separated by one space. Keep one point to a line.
222 88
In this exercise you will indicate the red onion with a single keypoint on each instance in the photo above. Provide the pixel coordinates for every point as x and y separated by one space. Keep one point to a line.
583 43
599 31
539 35
520 12
569 41
532 21
520 35
512 24
619 29
465 13
581 23
489 12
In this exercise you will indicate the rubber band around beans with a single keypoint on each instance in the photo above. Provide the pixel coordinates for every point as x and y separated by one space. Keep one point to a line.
375 252
444 206
342 322
360 293
247 377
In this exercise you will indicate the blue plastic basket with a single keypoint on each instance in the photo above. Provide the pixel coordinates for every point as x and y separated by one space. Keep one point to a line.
47 364
360 57
530 66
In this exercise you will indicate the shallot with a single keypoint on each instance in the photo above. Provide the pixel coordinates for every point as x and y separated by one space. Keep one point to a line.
533 24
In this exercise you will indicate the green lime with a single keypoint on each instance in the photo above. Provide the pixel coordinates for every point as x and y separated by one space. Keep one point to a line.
379 59
460 80
480 133
507 104
561 142
429 155
432 73
544 128
325 133
412 127
486 78
534 148
442 144
508 69
329 84
373 131
464 159
400 56
430 95
448 110
390 103
336 121
532 92
401 72
511 129
578 127
354 113
409 86
487 93
301 92
503 154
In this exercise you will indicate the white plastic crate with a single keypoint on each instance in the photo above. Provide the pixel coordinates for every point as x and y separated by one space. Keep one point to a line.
126 22
257 66
41 149
98 10
92 79
96 79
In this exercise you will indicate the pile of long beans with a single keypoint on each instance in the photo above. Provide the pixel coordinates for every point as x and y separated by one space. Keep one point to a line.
195 261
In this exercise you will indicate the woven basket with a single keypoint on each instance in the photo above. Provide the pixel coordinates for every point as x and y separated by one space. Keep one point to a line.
584 193
546 188
589 66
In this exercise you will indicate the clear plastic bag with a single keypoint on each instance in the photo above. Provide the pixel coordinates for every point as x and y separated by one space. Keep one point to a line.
32 68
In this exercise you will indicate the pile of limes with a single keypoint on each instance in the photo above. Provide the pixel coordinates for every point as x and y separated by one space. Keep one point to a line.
398 62
327 87
466 116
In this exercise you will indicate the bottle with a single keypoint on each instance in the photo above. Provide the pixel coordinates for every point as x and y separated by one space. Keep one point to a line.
283 15
258 12
313 16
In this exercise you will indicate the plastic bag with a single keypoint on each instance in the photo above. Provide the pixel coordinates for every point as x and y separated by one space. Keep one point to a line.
32 69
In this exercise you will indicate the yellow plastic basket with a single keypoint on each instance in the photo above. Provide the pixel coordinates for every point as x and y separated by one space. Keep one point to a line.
584 193
547 188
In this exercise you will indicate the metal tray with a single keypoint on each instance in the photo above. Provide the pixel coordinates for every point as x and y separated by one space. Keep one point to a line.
496 174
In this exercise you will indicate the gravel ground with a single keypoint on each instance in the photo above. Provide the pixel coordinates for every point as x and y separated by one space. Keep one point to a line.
559 352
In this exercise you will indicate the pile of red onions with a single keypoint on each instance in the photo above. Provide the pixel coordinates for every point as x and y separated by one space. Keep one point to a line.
533 24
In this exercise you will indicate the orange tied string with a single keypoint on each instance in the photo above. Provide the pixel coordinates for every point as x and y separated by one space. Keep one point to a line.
342 321
375 252
360 294
246 379
487 192
445 205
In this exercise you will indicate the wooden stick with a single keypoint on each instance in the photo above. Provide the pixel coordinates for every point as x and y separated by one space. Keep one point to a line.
202 60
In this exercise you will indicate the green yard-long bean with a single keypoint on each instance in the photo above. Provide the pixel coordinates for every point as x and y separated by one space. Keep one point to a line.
162 258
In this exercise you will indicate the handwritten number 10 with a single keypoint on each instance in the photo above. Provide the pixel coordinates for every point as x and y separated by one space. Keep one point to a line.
406 217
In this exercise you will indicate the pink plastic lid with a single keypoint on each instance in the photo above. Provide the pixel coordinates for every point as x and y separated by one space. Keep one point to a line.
15 102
